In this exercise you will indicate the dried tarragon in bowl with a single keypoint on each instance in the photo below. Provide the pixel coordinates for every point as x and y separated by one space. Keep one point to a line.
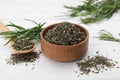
65 33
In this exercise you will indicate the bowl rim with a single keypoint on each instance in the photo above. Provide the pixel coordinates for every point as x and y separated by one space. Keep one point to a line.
52 25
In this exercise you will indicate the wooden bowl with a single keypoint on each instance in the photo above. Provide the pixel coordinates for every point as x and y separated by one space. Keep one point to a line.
64 53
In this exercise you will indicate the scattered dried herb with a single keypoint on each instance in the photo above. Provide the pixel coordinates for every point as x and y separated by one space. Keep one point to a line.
97 52
94 10
119 34
23 58
114 50
21 32
117 67
65 33
96 64
23 44
107 36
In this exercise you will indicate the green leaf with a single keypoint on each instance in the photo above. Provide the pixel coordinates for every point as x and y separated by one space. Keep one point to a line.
32 21
16 26
7 33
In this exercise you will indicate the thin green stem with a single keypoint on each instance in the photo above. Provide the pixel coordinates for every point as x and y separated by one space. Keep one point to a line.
107 36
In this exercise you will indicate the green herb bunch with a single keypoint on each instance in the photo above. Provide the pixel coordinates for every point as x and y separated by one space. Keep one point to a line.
94 10
107 36
21 32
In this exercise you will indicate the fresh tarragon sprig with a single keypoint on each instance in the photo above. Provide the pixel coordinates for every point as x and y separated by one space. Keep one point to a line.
94 10
107 36
21 32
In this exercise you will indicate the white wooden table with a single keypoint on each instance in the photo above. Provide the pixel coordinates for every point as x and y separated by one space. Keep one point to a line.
48 11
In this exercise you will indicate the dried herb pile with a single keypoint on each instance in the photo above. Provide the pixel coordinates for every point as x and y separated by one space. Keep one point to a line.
95 64
94 10
23 44
23 58
65 34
